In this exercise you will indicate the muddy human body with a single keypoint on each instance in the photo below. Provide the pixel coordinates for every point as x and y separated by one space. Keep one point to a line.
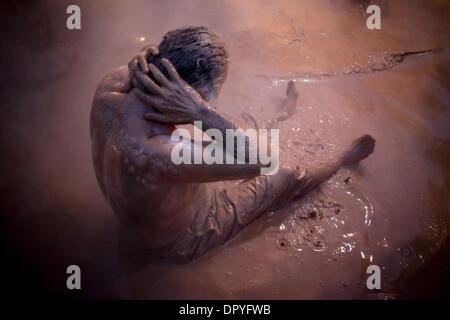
179 212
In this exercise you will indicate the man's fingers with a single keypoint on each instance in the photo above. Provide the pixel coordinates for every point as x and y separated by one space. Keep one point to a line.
171 70
143 63
147 99
143 57
136 83
153 101
151 50
148 83
156 117
163 81
133 65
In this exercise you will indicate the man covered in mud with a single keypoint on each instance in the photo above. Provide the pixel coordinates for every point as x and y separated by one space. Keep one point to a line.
179 212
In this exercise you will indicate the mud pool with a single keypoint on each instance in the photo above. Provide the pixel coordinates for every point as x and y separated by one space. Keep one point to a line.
392 211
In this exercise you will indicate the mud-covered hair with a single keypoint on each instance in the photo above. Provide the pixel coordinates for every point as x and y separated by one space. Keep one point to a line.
198 54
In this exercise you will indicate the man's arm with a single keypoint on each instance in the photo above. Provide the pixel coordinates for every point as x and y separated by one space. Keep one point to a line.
122 79
115 85
177 102
190 172
150 159
154 155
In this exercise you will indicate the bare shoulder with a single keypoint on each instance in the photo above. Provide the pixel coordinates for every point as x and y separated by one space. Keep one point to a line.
107 99
116 81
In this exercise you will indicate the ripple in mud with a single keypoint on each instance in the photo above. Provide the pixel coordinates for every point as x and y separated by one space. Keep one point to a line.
282 243
311 235
317 208
303 227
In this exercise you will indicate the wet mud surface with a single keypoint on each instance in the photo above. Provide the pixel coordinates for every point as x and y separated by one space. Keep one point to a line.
392 210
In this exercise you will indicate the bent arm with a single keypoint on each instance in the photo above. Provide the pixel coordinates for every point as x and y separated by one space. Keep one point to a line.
156 159
121 80
177 102
212 119
159 157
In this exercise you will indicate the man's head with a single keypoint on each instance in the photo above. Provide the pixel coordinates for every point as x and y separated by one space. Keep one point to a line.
199 56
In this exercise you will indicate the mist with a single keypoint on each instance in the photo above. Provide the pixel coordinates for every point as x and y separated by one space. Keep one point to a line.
53 212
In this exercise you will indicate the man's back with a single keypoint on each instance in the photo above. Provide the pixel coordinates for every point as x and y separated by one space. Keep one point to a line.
131 178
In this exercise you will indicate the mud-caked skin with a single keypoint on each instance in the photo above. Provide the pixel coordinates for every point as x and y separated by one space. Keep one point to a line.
179 212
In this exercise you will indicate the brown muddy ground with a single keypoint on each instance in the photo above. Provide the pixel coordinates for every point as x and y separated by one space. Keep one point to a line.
392 211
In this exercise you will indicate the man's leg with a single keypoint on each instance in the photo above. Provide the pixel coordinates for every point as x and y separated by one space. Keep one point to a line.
236 206
360 149
231 208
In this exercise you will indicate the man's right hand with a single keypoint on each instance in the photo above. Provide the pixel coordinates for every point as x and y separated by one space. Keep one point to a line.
174 99
139 64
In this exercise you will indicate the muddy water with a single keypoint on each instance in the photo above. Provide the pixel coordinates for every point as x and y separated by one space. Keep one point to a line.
392 211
